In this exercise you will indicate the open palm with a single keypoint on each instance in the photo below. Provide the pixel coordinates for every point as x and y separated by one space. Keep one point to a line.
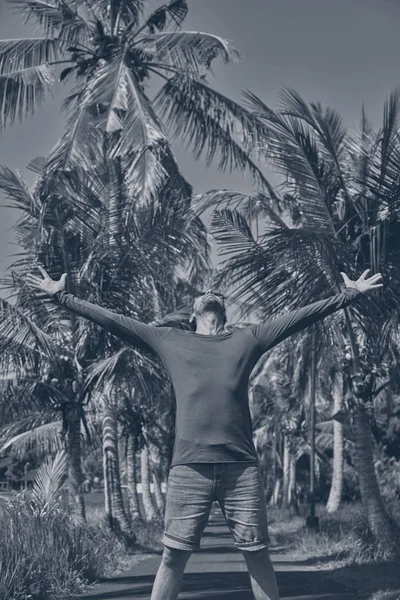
47 285
362 283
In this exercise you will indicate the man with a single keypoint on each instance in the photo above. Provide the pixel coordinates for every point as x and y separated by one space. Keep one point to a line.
214 456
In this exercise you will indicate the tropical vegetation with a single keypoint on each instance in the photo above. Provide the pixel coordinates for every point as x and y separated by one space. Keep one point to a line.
109 206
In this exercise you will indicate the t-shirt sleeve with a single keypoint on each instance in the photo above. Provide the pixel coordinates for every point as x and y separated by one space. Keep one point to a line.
275 331
128 329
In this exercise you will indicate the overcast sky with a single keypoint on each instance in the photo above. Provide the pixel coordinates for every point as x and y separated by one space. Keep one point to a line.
339 52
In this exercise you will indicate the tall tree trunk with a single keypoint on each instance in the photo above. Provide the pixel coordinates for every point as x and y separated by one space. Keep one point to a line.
114 505
384 531
276 493
73 447
158 494
336 491
292 494
131 474
156 468
312 520
286 470
382 527
147 501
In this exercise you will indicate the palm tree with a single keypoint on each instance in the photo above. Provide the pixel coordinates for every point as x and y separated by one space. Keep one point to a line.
41 378
132 478
280 396
343 190
113 52
336 491
114 505
86 226
149 505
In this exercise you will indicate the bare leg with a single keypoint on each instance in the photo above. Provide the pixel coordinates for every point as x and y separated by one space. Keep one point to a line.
262 574
168 581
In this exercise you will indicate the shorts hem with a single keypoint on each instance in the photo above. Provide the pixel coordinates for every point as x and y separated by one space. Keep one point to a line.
252 546
173 541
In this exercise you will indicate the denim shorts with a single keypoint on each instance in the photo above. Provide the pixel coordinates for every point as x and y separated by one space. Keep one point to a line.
239 491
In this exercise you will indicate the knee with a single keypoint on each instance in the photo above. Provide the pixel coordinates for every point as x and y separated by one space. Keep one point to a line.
257 556
172 557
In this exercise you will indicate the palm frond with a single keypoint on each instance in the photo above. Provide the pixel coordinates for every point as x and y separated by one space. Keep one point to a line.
295 148
41 439
79 145
22 91
48 481
18 333
173 12
277 265
56 17
234 232
104 370
211 124
19 54
186 49
16 190
37 165
248 204
124 12
140 137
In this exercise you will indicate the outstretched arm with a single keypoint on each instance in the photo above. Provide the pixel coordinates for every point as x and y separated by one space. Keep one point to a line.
126 328
272 333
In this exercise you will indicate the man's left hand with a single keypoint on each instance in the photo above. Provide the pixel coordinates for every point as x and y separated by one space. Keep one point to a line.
363 284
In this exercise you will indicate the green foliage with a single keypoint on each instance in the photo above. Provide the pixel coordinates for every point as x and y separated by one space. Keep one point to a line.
388 471
45 554
343 538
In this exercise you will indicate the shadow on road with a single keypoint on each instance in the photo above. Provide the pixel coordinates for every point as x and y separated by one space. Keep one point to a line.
223 585
218 572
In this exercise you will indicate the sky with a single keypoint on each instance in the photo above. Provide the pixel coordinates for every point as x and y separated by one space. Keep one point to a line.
343 53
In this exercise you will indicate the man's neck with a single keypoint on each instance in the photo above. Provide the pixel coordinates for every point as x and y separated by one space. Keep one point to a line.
209 324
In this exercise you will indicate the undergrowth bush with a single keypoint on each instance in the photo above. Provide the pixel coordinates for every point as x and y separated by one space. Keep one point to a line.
46 554
343 537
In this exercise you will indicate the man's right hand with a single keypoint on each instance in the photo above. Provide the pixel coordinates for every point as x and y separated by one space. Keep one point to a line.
47 285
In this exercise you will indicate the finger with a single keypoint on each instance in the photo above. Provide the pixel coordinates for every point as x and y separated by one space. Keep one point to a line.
43 272
33 285
33 278
363 276
377 285
345 278
374 277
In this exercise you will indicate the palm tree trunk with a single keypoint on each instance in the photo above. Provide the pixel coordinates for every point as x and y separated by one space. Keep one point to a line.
276 493
73 447
114 506
286 470
156 468
147 501
382 527
292 495
385 533
158 494
131 471
336 491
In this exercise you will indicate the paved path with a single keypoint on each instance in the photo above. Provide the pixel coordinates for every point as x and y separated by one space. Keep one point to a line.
218 572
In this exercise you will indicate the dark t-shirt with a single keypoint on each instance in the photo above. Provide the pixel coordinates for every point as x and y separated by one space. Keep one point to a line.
210 373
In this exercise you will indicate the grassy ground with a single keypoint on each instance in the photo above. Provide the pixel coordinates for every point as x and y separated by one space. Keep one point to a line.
148 534
50 554
343 547
43 557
